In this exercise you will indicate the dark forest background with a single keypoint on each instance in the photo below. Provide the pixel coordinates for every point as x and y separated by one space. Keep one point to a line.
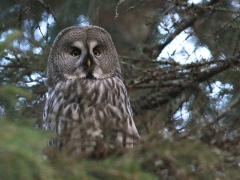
180 62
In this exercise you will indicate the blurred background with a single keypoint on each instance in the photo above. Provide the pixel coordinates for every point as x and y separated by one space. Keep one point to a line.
180 63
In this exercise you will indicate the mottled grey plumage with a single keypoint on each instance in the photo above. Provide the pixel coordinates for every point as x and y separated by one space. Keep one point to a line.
86 95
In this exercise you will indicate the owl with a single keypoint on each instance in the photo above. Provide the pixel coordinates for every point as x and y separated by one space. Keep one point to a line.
86 100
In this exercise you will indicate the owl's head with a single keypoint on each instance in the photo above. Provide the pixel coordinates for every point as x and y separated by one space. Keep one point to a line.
83 52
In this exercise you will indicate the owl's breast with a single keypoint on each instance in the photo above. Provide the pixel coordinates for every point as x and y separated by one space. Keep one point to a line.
82 100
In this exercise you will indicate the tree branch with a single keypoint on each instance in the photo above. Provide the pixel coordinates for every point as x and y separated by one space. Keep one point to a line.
172 88
179 28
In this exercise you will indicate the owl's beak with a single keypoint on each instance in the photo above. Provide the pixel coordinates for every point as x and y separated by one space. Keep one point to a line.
88 62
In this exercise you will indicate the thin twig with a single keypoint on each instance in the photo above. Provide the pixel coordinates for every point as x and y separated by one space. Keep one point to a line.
213 120
49 10
184 24
133 7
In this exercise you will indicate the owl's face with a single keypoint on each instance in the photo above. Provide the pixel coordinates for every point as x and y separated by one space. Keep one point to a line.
83 52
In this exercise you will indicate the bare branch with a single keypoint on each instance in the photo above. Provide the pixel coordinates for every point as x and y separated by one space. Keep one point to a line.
133 7
174 86
49 10
179 28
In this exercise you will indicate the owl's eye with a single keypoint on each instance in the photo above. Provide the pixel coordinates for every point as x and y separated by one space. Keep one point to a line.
76 53
96 52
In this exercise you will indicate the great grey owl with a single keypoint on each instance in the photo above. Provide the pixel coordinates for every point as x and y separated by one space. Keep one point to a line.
87 99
